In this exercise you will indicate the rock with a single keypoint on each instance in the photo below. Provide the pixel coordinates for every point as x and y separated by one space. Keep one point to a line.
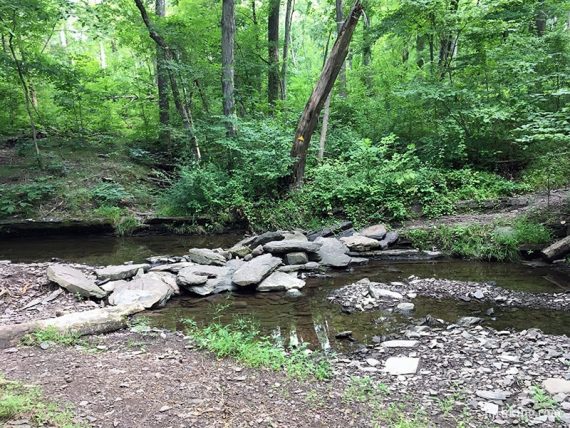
189 278
297 258
360 243
257 251
171 267
490 408
205 256
294 236
358 261
479 295
390 238
345 233
283 247
401 365
323 233
557 250
400 344
266 237
556 386
256 270
337 229
201 270
293 293
240 251
377 292
333 252
405 307
493 395
373 362
74 281
170 280
469 321
310 266
378 231
344 335
279 281
110 286
114 273
409 254
148 291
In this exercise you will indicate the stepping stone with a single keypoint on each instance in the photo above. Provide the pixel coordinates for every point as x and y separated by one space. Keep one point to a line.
401 365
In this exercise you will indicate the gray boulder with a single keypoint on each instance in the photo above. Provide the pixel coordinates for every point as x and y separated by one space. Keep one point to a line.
149 290
240 251
557 250
297 258
333 252
377 292
309 267
256 270
294 236
266 237
171 267
401 365
360 243
378 231
288 246
187 278
280 281
74 281
114 273
205 256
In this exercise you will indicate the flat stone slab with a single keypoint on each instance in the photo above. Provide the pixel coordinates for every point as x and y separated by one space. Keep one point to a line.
74 281
398 254
171 267
148 290
311 266
377 293
256 270
297 258
556 386
401 365
333 253
400 344
291 246
361 243
377 231
205 256
493 395
114 273
280 281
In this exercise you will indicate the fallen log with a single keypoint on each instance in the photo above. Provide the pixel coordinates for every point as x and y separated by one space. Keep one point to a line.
96 321
557 250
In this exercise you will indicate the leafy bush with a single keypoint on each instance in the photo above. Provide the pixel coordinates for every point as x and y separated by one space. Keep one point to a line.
109 194
22 199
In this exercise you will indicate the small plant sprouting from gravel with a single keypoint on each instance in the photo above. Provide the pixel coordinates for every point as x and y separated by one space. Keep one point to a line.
50 335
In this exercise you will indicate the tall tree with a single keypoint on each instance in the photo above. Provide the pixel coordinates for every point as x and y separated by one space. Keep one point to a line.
162 85
185 113
339 22
310 116
286 44
228 37
273 53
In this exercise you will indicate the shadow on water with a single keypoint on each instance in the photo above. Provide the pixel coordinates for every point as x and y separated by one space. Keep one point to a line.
311 318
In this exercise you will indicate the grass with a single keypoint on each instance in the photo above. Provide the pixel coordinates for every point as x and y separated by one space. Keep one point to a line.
242 340
19 401
363 388
50 335
497 242
542 400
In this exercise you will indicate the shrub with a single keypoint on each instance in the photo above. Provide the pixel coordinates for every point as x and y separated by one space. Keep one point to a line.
22 199
109 194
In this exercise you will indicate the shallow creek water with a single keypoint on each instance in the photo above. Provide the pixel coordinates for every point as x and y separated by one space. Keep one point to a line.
311 318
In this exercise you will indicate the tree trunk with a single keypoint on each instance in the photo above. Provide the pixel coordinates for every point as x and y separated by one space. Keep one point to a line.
286 43
540 19
183 111
324 128
162 86
102 55
273 54
309 118
228 36
447 44
339 23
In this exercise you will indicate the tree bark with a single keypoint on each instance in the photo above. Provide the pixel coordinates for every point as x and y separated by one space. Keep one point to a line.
339 23
228 37
326 112
286 43
309 118
162 86
273 54
183 111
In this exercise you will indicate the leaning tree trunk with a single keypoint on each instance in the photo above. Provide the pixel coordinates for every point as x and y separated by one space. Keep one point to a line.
326 112
162 86
273 54
310 116
286 44
339 23
228 36
182 108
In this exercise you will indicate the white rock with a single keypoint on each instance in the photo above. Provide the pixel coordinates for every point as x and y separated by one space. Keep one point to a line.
401 365
400 344
556 385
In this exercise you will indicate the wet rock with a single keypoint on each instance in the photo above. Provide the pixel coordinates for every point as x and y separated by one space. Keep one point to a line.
148 291
205 256
556 386
74 281
358 261
289 246
256 270
360 243
114 273
280 281
469 321
405 307
333 252
293 293
297 258
378 231
377 292
401 365
400 344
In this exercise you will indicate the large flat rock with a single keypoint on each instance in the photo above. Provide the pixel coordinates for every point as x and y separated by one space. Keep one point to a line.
256 270
114 273
377 231
333 252
291 246
74 281
147 290
401 365
205 256
361 243
280 281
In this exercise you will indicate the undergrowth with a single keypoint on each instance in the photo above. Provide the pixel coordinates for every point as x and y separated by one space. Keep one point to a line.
50 335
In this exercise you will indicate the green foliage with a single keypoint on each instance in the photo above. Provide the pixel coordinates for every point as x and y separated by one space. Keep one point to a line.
482 242
109 194
241 340
22 199
542 400
362 389
50 335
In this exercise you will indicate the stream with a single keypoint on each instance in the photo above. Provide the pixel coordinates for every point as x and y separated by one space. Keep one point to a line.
312 318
